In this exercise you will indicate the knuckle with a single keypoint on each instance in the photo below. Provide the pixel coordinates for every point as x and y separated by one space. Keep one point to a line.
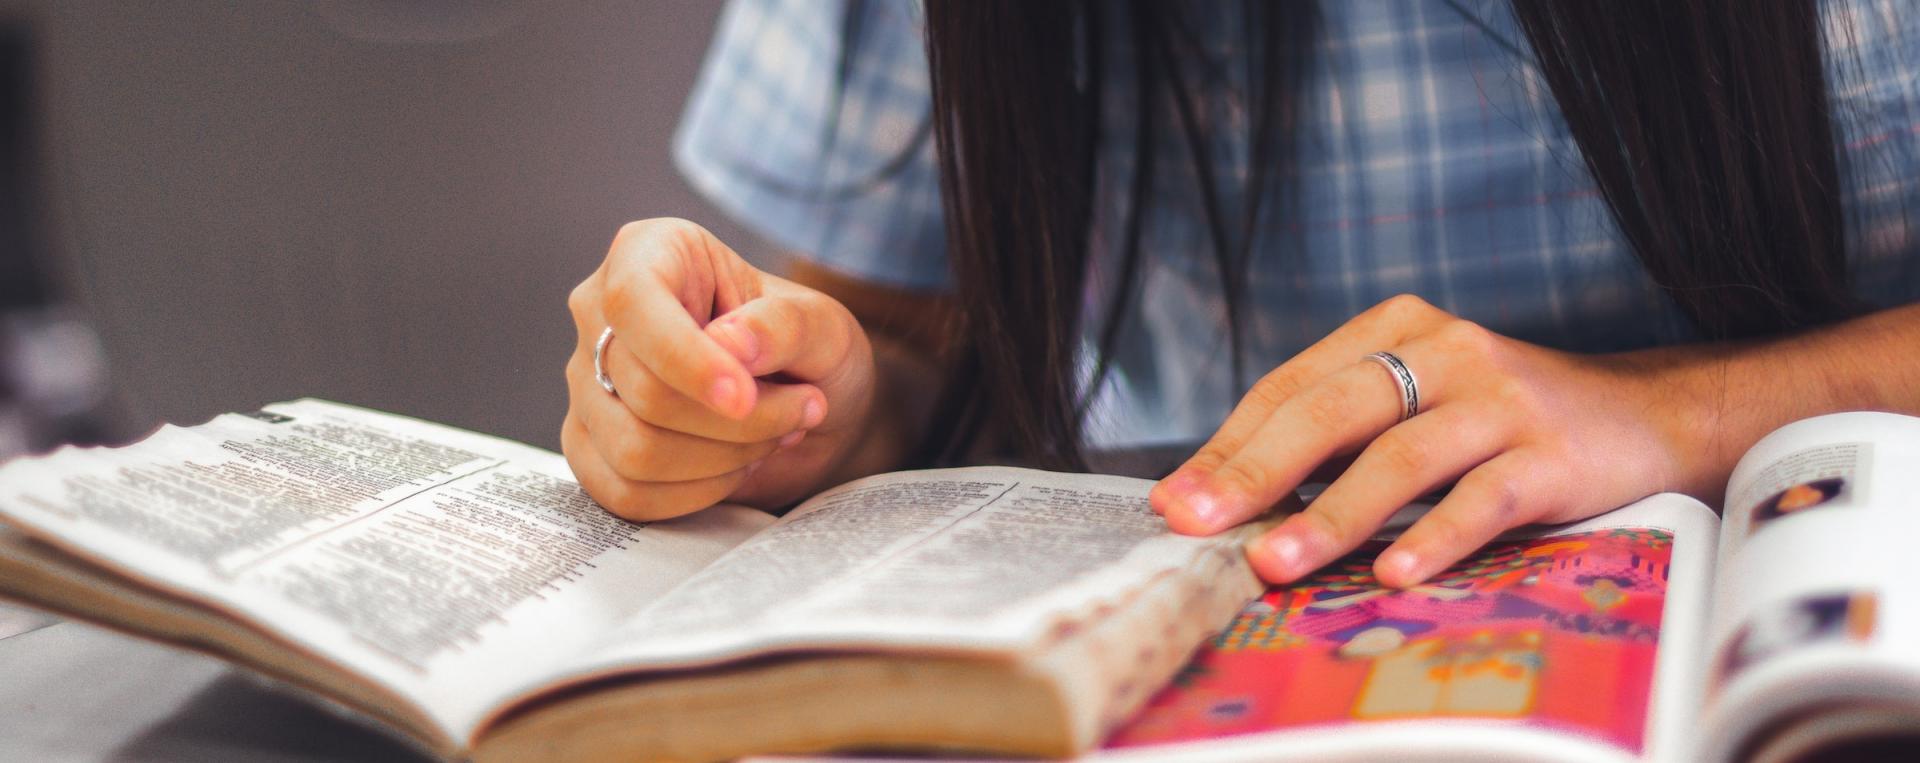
1445 531
1459 337
645 407
576 370
618 297
1404 455
1333 525
581 302
1214 454
784 317
676 232
1516 397
1246 476
639 455
819 317
630 230
1329 409
654 403
1403 308
1273 389
653 227
1499 494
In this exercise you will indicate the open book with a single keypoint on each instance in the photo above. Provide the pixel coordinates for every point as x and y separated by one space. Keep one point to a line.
462 590
1656 631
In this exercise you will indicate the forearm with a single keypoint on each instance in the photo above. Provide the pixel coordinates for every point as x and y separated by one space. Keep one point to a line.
1725 397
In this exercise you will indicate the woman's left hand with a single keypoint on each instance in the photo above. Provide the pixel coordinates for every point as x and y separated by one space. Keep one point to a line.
1530 434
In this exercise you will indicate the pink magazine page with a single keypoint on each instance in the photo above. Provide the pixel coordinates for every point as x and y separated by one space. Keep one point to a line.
1557 633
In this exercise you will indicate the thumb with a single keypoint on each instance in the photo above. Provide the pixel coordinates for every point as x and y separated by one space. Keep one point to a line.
796 331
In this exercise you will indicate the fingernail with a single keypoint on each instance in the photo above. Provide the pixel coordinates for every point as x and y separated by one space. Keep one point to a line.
744 345
791 439
1181 481
1287 552
1206 509
814 413
722 393
1399 564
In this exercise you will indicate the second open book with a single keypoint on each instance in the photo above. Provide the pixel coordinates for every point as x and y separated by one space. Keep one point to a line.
460 590
1656 631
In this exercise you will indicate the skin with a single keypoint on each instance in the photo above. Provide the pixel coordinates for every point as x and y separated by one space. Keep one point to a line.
735 384
720 367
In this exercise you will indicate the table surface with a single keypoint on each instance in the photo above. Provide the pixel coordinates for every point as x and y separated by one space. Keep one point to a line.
74 692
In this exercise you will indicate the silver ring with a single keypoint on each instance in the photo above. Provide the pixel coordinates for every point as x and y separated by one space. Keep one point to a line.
600 362
1409 389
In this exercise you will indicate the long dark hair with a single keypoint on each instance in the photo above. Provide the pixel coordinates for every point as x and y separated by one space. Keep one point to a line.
1704 123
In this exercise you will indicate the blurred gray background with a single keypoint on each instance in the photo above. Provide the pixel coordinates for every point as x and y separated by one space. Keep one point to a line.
380 202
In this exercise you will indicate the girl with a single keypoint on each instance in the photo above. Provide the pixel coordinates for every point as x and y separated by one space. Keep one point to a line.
1559 255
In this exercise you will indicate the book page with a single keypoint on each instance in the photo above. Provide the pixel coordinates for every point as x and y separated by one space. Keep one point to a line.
1817 602
1563 643
446 565
982 558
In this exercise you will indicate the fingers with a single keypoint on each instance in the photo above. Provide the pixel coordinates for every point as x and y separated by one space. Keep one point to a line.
1395 469
1486 503
641 451
1514 419
1330 417
1345 410
799 332
779 409
703 348
662 280
638 501
1388 324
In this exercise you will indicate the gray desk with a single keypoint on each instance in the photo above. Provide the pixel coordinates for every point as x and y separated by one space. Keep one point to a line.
73 692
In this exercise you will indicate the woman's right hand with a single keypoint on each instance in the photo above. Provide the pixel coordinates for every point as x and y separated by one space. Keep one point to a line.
734 384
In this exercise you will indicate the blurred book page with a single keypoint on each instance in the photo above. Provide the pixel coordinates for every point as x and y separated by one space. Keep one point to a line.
1816 601
449 566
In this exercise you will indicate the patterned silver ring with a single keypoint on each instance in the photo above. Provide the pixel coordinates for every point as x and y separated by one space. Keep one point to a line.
600 362
1409 388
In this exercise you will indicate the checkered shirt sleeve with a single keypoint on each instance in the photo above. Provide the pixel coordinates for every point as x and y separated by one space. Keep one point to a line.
844 178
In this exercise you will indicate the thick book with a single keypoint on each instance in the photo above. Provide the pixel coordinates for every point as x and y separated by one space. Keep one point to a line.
462 591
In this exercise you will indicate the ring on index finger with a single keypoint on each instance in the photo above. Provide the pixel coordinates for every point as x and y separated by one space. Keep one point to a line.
1409 387
600 362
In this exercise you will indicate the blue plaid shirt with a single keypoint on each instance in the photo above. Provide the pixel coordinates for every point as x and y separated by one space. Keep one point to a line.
1432 160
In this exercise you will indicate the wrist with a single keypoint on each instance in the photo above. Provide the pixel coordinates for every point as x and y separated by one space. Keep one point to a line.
1713 401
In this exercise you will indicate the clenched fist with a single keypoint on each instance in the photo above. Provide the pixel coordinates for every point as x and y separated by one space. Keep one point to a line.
731 383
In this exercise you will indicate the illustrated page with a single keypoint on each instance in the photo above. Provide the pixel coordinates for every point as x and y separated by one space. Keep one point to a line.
1563 633
447 565
981 557
1817 602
